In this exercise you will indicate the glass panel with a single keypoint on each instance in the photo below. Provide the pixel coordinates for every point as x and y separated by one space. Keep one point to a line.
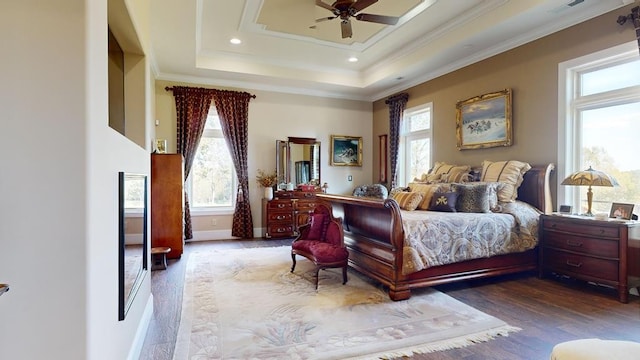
418 157
212 174
213 122
611 78
609 138
420 121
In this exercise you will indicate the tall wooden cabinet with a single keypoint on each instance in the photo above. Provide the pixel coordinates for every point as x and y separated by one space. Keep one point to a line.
167 203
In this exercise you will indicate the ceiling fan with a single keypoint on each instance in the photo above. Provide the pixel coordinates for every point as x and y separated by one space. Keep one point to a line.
345 9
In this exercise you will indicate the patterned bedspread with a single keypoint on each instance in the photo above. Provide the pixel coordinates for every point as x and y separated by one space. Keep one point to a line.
437 238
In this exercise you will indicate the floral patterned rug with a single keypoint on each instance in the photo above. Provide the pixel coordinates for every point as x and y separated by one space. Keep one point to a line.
246 304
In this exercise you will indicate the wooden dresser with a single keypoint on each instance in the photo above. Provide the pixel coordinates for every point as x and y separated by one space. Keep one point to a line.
286 212
600 252
167 203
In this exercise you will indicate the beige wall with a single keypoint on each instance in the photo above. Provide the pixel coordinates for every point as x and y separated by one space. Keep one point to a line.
276 116
531 71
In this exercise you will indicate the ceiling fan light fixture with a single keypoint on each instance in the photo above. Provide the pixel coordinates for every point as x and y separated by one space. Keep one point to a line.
235 41
353 59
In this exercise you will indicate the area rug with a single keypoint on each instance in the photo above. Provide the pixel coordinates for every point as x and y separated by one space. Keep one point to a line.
246 304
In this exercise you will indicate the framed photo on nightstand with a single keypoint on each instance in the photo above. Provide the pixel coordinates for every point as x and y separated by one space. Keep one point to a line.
565 209
621 211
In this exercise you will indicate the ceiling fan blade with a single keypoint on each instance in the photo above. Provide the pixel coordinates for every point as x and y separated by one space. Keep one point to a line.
380 19
325 19
322 4
362 4
345 25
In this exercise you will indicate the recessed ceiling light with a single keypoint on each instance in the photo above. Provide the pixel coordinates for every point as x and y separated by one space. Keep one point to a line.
235 41
353 59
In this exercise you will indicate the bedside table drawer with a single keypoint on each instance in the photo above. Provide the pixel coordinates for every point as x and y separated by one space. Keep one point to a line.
280 205
600 231
275 217
567 263
279 230
577 243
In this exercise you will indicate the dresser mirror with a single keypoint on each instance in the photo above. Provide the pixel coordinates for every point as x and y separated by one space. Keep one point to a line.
298 161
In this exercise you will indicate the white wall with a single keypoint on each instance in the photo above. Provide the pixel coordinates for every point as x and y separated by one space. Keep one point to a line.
60 158
276 116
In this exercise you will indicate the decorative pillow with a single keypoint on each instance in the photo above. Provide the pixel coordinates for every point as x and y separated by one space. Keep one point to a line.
444 201
510 173
398 189
408 200
452 173
317 223
427 191
476 197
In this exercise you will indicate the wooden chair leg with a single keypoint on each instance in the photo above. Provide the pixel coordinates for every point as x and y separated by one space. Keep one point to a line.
293 257
344 275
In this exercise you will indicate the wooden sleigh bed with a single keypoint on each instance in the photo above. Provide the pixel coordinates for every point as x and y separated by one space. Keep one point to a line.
374 235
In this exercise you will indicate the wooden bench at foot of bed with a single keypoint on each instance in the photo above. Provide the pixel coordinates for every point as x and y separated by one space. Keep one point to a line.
375 237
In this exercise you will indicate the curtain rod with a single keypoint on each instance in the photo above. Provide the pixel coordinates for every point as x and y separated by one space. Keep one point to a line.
170 88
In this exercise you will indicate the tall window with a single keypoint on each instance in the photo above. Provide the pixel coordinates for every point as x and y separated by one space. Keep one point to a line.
600 123
415 143
212 180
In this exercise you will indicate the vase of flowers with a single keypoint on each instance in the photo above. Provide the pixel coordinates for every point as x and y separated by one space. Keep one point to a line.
268 181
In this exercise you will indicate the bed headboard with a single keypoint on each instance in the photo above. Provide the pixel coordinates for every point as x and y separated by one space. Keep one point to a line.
535 188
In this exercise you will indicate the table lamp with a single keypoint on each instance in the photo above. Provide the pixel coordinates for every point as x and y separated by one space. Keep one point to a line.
591 178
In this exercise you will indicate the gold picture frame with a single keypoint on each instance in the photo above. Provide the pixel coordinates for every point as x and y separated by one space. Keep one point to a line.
484 121
346 150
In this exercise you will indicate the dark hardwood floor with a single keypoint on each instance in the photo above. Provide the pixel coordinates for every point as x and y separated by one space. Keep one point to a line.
548 311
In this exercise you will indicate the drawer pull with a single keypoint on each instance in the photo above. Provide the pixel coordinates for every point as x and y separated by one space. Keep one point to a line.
280 206
574 243
570 263
280 217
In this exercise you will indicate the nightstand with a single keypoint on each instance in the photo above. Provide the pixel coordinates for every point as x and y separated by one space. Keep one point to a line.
601 252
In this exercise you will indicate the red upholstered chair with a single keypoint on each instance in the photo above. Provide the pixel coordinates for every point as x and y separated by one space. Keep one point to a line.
322 242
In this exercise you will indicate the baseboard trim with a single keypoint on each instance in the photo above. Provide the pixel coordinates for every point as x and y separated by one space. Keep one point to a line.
220 235
141 332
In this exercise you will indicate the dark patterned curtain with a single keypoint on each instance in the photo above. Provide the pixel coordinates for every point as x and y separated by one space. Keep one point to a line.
233 111
397 104
192 107
635 17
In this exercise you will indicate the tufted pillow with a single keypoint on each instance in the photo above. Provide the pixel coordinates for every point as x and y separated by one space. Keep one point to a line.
451 173
444 201
407 200
427 191
476 197
316 227
510 173
398 189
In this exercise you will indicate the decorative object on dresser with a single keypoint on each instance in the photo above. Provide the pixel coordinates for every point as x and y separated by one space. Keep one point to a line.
484 121
391 245
591 178
167 203
346 150
621 211
267 181
590 250
286 212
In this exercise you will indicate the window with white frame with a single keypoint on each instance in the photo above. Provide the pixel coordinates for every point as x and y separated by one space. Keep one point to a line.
212 181
414 157
599 124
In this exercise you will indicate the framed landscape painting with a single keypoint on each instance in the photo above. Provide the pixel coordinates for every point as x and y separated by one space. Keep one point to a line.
484 121
346 150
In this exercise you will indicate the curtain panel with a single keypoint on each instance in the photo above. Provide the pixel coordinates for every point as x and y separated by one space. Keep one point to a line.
233 111
397 104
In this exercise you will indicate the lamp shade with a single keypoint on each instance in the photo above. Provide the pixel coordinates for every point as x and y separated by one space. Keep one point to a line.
590 178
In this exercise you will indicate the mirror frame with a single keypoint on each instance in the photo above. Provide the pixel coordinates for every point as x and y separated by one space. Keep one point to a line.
126 299
284 165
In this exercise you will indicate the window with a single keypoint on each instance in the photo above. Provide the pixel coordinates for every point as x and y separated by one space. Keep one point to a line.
415 143
600 123
212 181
